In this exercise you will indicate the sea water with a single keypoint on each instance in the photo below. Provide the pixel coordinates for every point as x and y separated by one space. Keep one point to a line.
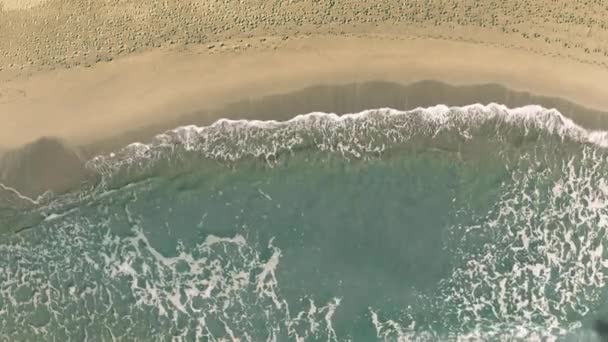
476 222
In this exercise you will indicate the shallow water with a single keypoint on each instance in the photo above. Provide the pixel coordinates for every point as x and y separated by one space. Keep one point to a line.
434 224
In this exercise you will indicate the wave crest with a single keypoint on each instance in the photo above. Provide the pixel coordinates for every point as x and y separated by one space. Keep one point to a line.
359 135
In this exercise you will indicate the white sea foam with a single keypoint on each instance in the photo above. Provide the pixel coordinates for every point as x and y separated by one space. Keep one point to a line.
20 196
233 281
370 132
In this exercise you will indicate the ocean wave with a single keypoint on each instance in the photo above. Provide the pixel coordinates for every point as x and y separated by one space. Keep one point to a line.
524 235
360 135
367 134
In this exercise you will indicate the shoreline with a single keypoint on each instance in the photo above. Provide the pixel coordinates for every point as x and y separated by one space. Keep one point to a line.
355 98
58 165
161 87
55 121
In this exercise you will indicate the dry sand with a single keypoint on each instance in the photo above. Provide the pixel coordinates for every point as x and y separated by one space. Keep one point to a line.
68 33
12 5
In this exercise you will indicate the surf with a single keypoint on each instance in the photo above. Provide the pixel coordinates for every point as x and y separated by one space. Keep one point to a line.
442 222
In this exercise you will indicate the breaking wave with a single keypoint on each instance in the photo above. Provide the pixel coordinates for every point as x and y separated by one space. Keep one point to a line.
361 135
478 222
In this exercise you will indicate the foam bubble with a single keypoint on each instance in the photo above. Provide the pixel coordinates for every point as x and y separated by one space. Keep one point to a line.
358 135
536 266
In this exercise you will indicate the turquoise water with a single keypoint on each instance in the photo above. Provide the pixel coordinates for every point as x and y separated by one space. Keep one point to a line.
443 223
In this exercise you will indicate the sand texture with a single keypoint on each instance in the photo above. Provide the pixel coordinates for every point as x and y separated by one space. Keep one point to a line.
68 33
12 5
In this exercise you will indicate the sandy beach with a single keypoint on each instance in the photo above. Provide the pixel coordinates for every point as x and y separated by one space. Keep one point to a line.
87 71
158 87
186 170
123 72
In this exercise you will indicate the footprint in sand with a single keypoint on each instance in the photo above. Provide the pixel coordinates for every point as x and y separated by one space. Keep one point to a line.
11 94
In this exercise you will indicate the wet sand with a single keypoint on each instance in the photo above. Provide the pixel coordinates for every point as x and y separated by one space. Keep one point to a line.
59 165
